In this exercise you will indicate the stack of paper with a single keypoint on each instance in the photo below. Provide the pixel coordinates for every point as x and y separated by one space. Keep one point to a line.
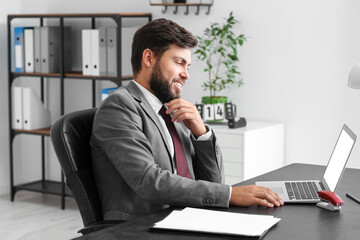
200 220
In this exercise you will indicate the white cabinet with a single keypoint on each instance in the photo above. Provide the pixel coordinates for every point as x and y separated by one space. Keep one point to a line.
252 150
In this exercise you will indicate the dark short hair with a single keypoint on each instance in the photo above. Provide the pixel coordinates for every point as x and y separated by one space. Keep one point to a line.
157 36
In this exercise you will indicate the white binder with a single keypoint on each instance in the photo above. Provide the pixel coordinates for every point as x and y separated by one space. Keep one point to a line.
103 50
37 49
50 49
112 51
29 49
95 52
67 49
17 110
86 52
127 35
35 115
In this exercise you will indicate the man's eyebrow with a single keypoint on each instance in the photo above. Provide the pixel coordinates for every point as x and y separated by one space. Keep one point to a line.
184 60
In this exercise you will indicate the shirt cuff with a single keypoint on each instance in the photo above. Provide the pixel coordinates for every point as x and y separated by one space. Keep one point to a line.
230 193
206 136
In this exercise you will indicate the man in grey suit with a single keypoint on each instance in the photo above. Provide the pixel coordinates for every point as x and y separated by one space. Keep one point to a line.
136 161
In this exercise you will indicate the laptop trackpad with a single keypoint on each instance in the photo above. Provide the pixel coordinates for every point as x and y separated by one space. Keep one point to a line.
278 190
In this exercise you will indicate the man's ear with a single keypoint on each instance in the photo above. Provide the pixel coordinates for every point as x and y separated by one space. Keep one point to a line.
148 58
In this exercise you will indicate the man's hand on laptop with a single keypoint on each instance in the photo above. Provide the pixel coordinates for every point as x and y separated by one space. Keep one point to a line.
252 194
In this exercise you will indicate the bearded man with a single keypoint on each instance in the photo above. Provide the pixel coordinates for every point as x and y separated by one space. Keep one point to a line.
150 147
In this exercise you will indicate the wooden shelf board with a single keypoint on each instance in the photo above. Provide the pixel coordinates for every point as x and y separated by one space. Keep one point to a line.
80 75
69 75
28 74
41 131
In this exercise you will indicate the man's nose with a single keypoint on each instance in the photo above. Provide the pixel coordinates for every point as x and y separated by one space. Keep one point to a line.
184 74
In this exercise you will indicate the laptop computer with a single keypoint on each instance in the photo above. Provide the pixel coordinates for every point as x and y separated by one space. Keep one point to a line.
305 191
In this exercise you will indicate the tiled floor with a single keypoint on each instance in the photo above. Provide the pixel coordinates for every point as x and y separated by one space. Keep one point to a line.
38 216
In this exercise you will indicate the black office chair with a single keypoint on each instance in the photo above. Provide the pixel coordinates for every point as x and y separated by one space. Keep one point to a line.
70 136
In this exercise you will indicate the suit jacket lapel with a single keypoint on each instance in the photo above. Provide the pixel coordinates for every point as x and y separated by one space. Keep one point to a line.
145 105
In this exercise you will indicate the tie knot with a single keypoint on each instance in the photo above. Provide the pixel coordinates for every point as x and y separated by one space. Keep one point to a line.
163 112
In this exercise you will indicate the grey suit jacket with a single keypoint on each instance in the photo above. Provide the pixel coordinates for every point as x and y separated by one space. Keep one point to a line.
133 169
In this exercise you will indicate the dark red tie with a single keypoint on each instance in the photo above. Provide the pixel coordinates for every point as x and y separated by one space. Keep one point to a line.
181 164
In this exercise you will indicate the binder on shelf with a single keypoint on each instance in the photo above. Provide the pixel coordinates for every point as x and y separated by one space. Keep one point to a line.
35 115
112 51
17 109
105 92
67 49
50 50
37 49
29 49
19 48
102 53
50 37
95 52
86 51
127 34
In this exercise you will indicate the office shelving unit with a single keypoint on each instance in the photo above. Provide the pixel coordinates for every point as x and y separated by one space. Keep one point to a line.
43 185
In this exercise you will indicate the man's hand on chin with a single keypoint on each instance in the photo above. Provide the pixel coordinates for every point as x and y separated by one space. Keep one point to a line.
188 114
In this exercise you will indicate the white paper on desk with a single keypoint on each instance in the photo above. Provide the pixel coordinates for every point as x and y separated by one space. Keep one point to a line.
200 220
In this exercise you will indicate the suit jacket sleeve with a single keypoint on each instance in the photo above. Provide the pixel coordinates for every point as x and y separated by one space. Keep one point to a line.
208 162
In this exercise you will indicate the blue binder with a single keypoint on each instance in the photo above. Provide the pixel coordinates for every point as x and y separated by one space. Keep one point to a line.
19 50
105 92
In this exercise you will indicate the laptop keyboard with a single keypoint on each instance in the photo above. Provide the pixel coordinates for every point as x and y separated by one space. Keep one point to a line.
302 190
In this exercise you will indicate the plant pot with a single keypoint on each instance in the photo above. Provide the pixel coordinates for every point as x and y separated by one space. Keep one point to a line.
214 109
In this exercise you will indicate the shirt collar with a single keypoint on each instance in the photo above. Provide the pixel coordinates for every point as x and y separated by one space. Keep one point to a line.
151 98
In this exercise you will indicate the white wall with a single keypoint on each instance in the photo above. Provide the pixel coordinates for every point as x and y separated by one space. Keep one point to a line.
294 64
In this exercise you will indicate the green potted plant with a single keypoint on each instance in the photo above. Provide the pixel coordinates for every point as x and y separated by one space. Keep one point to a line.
218 48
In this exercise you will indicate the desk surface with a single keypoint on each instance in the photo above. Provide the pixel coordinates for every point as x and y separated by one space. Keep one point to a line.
299 221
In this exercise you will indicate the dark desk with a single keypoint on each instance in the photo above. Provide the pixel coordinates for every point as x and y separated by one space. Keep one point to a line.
299 221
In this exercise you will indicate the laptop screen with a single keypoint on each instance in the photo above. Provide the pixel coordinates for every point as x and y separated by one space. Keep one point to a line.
339 158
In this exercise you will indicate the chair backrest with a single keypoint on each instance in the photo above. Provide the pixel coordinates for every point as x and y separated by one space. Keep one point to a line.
70 136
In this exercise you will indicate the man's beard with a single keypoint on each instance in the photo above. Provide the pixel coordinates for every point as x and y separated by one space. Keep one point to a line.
161 86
